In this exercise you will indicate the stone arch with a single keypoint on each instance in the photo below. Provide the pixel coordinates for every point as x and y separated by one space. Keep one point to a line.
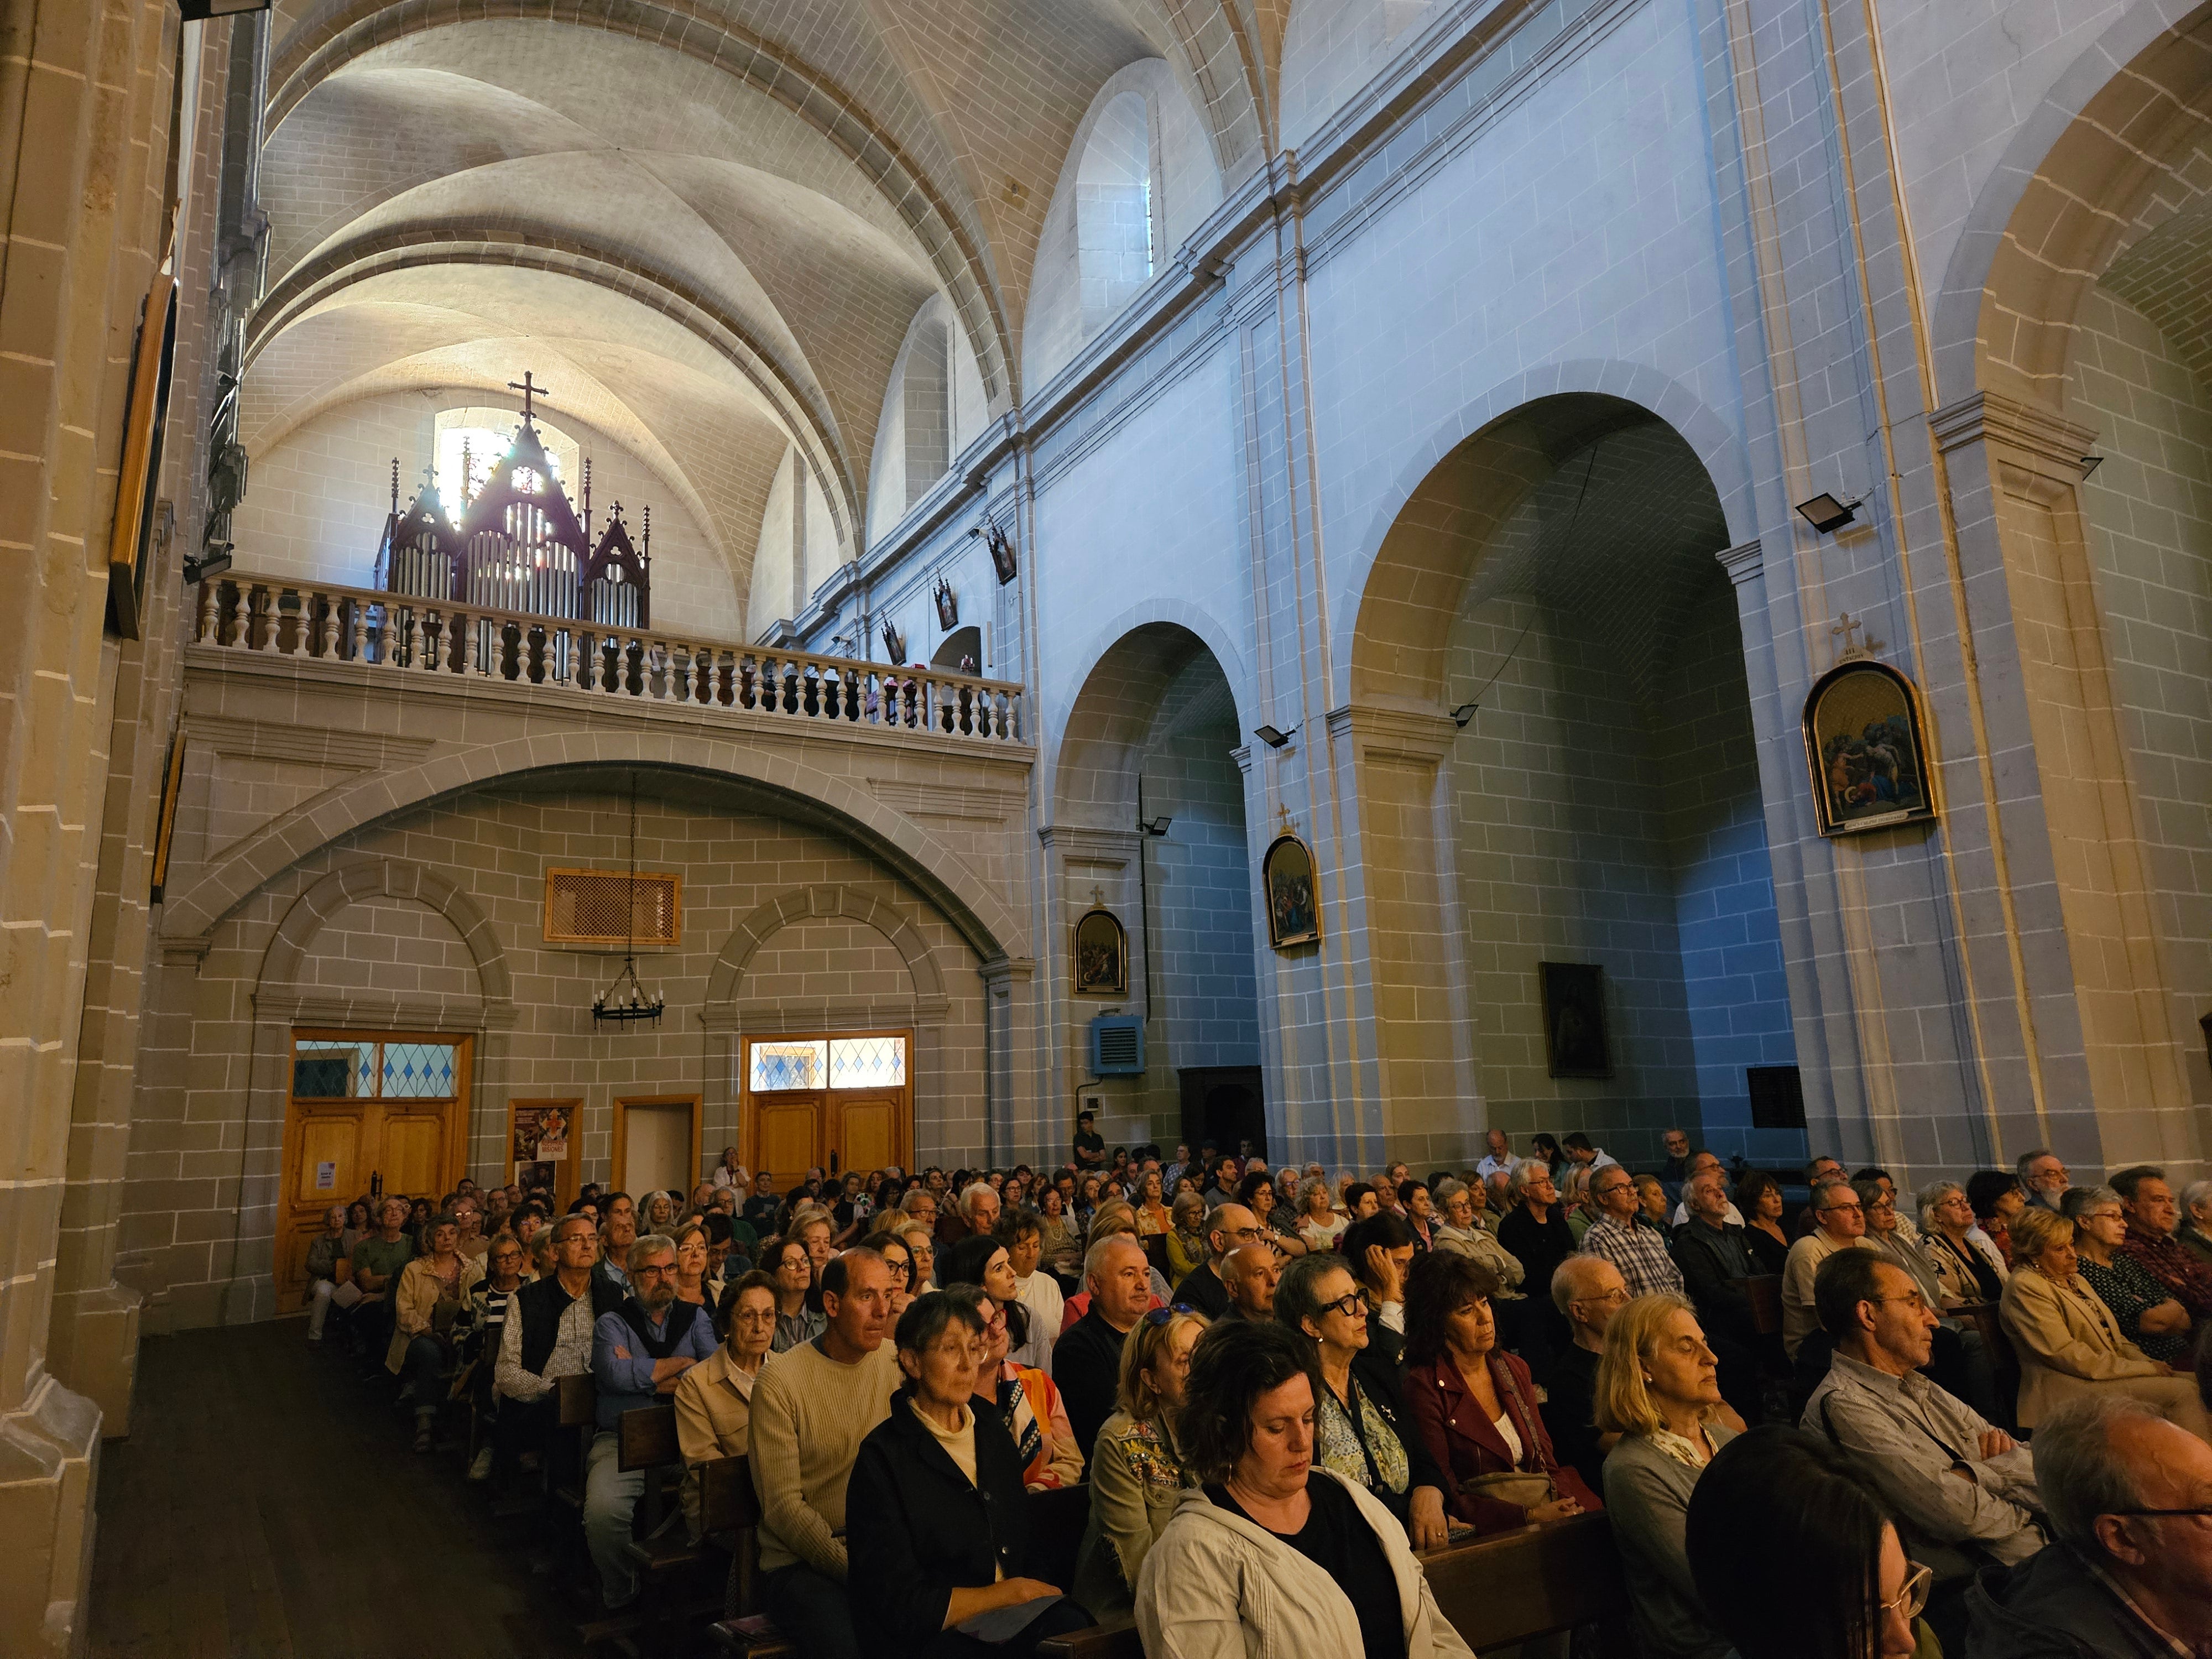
903 846
325 278
385 877
2068 192
1715 442
340 31
809 903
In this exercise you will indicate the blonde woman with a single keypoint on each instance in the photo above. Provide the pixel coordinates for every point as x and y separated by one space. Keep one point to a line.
1658 1389
1318 1223
1186 1238
1137 1475
2067 1339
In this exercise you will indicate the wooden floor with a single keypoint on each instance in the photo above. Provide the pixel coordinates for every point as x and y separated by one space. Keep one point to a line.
266 1502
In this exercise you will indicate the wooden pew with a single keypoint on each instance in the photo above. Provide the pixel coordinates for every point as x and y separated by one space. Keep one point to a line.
1498 1592
1765 1292
729 1509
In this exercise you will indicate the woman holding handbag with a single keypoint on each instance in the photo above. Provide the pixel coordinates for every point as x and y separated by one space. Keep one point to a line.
1658 1388
1474 1405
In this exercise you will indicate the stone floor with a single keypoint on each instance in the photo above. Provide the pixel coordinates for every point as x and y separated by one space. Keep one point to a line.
266 1502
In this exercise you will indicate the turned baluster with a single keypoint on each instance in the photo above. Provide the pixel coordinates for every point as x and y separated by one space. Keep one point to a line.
209 603
471 644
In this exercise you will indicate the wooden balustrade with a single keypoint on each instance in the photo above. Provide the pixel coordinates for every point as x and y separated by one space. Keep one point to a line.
273 616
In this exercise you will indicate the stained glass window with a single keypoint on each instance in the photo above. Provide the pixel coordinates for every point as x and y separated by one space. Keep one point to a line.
418 1071
788 1064
324 1069
876 1062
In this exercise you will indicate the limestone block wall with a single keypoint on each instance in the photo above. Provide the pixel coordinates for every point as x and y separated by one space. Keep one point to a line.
207 1134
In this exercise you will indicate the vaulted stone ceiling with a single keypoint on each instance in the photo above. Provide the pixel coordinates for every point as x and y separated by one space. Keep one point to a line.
706 224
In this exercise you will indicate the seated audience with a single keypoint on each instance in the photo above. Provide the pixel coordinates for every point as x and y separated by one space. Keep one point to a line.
1588 1291
799 1317
1256 1193
1251 1272
1417 1206
1702 1161
973 1215
2148 1316
1961 1492
2042 1179
1360 1201
638 1353
1654 1204
1966 1263
505 1276
924 1556
1838 1224
1717 1264
618 1215
1581 1207
1757 1200
433 1288
2195 1233
1234 1572
1087 1360
1638 1252
1229 1225
1185 1241
1319 1224
1063 1244
2153 1218
324 1252
1137 1475
1658 1389
2068 1342
713 1399
548 1336
982 1261
898 1261
1380 1252
920 1243
1535 1233
1885 1232
1790 1552
1023 1396
1467 1228
1021 1232
1960 1363
1997 1201
2129 1571
1362 1433
1113 1218
812 1407
378 1262
730 1175
691 1256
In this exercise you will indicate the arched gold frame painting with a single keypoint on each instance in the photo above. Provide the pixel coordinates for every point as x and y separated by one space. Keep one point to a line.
1286 879
1101 954
1864 746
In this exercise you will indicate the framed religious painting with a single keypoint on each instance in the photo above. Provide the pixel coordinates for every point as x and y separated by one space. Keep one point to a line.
1286 879
1575 1043
1102 954
1864 745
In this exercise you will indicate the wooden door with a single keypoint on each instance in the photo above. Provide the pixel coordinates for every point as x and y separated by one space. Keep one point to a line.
834 1101
635 1114
392 1104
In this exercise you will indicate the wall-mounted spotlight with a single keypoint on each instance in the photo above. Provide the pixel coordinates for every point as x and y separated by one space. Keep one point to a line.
1272 738
1464 713
2090 464
1154 826
1825 513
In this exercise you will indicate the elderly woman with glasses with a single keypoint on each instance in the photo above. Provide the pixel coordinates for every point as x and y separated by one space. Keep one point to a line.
1272 1558
2068 1342
1136 1474
1023 1396
1474 1406
1363 1431
2150 1317
1967 1263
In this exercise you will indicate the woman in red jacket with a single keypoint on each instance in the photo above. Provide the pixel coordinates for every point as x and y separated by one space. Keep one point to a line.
1474 1405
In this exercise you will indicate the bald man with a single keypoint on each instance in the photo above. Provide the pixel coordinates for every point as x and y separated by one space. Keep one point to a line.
1251 1272
1229 1227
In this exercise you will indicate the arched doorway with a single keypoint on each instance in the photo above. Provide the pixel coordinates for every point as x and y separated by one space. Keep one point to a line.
1551 587
1149 809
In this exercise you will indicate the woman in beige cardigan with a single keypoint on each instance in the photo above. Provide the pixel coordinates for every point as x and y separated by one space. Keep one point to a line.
442 1275
2067 1339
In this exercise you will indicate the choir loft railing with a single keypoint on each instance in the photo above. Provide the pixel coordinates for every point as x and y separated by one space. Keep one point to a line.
280 617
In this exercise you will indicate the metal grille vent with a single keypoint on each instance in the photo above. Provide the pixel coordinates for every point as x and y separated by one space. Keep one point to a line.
1117 1046
602 907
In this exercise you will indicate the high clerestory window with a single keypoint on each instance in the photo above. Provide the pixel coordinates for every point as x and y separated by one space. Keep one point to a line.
484 436
1113 232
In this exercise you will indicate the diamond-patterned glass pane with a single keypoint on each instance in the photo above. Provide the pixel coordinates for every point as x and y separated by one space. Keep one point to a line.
329 1070
867 1062
780 1066
418 1071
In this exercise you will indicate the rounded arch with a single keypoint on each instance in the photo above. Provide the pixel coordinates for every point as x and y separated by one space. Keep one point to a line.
385 877
2062 200
339 31
902 846
808 903
1520 505
1154 672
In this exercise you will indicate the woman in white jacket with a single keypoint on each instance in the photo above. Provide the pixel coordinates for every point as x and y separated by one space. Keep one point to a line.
1271 1557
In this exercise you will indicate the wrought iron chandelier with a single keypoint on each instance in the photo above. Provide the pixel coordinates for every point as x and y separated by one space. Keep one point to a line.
625 1001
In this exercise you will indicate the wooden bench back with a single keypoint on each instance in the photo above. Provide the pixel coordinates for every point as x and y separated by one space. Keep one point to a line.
648 1438
1765 1292
579 1400
1054 1521
729 1507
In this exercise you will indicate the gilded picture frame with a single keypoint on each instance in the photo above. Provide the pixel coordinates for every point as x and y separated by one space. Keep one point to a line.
1100 954
1864 750
1291 893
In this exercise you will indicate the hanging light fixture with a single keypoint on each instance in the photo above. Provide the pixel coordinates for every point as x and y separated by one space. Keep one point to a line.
625 1001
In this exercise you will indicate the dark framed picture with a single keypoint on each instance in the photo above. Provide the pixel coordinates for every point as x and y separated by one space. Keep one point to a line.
145 427
1102 954
1573 1019
1287 875
948 605
1864 745
1002 554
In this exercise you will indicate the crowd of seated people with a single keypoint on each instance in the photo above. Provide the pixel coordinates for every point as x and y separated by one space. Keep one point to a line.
1277 1392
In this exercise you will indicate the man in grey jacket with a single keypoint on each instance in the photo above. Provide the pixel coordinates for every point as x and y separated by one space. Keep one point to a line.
1962 1493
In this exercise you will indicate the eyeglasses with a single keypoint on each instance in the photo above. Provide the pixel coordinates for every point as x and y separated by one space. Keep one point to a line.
1912 1600
1618 1293
1161 1315
1351 1306
1835 1209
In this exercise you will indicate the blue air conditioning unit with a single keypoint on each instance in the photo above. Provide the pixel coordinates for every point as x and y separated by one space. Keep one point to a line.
1117 1046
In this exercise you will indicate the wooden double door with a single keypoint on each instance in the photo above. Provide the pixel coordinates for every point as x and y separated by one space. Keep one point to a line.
834 1101
389 1105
